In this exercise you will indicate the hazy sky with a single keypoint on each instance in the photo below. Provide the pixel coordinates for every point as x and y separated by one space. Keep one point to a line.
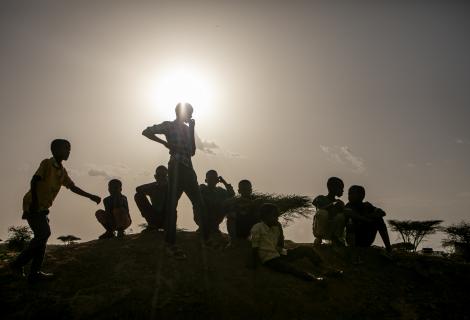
290 92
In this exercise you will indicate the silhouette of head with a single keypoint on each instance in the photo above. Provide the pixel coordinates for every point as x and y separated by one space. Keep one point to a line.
335 186
184 111
244 188
161 175
269 214
60 149
212 178
356 194
114 187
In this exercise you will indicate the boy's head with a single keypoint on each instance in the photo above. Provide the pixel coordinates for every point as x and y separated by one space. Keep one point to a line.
335 186
269 214
60 149
244 188
184 111
356 194
161 175
114 186
212 178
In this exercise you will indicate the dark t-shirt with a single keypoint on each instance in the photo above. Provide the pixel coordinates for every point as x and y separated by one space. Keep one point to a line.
215 198
244 213
365 231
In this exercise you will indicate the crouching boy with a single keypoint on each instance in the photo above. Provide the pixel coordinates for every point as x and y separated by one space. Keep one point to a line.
115 216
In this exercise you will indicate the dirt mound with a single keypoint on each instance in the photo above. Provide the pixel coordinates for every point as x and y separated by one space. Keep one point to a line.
133 278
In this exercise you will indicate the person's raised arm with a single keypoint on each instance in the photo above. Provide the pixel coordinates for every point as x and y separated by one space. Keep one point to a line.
228 187
85 194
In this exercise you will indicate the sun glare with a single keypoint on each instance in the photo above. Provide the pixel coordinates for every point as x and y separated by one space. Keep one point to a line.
181 85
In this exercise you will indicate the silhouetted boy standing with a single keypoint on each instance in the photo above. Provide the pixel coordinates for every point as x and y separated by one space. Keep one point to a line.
182 178
45 186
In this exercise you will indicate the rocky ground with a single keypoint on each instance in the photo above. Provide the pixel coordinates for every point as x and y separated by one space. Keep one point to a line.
133 278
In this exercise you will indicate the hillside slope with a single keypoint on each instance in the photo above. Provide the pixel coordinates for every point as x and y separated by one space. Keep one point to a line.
131 278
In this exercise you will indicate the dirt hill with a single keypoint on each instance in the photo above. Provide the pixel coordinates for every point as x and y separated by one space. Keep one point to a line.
132 278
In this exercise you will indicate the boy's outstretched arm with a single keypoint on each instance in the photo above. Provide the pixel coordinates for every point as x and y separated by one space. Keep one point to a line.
85 194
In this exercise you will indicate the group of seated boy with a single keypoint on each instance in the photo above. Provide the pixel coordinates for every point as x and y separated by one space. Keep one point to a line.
151 199
355 224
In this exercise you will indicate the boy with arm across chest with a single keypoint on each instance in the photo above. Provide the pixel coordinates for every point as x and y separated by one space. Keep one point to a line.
181 176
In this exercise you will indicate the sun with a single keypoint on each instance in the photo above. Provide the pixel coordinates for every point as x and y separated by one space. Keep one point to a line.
182 84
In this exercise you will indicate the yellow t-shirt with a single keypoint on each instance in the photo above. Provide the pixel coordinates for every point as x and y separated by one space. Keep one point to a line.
53 177
266 239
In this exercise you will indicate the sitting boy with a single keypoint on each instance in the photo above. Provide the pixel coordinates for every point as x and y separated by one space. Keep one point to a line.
45 186
154 211
215 199
267 241
366 220
329 220
242 213
115 216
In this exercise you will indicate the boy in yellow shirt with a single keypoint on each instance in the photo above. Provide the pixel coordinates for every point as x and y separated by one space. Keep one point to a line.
45 186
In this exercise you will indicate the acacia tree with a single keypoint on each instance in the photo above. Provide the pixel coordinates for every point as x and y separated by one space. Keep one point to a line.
68 240
458 237
291 206
414 231
18 237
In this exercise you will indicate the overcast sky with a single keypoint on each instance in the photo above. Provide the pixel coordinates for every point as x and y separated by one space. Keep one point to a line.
290 92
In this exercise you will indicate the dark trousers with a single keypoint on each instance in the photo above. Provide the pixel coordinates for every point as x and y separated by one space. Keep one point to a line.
183 179
284 263
36 248
153 218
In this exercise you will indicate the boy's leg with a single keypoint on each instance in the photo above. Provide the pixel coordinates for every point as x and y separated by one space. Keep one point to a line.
303 252
191 188
338 224
281 264
175 189
103 219
36 248
146 210
320 226
232 227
